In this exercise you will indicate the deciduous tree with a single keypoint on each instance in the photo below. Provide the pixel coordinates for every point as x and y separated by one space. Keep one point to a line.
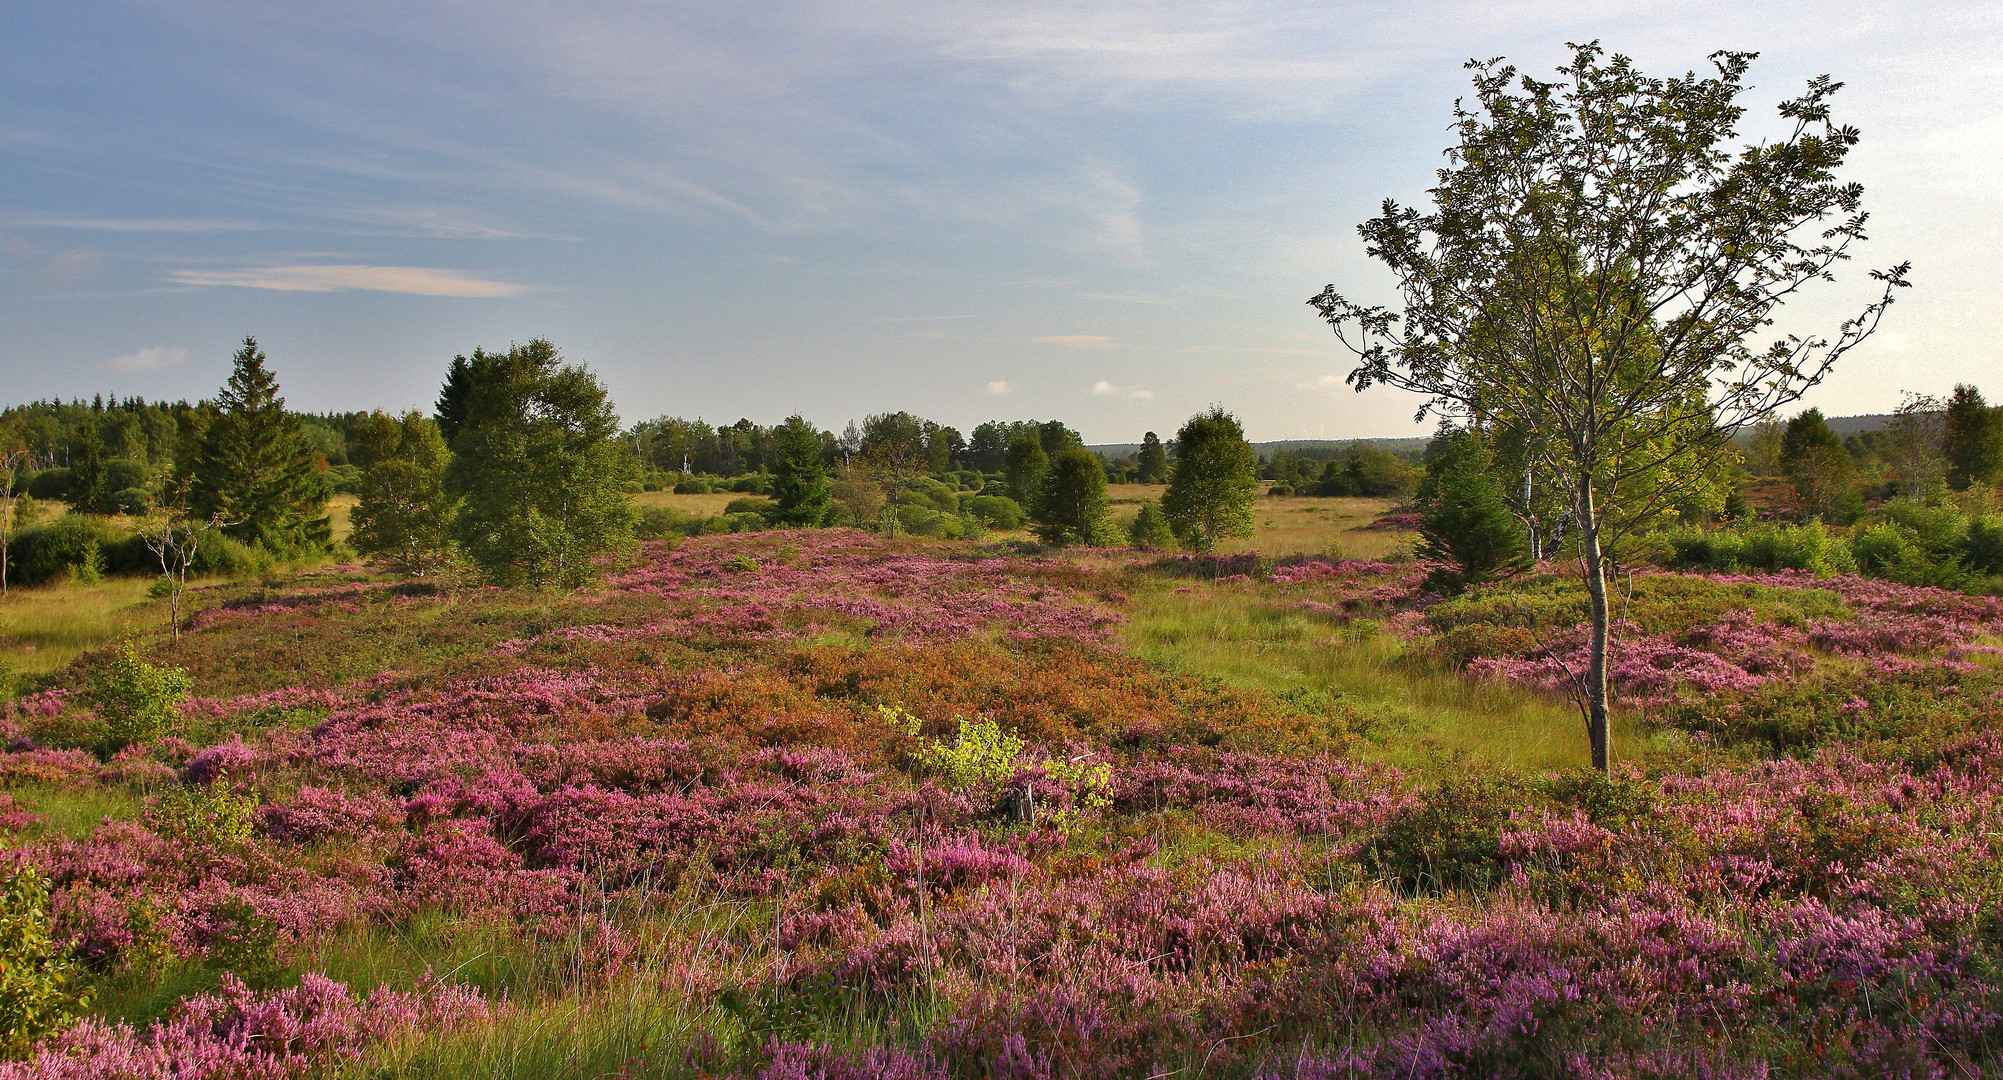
404 512
539 465
1073 507
1215 482
1596 260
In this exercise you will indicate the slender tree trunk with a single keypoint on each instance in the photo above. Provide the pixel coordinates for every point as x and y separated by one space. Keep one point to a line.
1594 561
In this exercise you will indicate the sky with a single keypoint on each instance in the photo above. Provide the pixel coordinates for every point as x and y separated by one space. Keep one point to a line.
1108 213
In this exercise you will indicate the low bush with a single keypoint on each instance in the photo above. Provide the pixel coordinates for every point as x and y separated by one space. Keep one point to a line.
1768 547
136 700
41 986
656 522
1451 841
754 504
997 511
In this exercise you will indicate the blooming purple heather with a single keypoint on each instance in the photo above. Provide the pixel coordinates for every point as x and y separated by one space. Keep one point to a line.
705 781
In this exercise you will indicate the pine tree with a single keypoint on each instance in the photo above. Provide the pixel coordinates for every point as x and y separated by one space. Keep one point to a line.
1151 465
1215 482
801 490
540 466
404 513
1465 522
1072 509
1974 440
254 469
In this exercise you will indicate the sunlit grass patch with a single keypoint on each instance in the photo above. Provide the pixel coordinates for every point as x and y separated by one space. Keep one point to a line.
1420 709
45 627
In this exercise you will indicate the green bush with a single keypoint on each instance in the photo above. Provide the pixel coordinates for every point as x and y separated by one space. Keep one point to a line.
1150 530
1767 547
123 473
743 522
934 494
132 500
656 522
220 556
1280 489
50 484
135 700
690 485
997 511
755 504
208 815
1982 546
41 986
46 552
1897 553
1452 841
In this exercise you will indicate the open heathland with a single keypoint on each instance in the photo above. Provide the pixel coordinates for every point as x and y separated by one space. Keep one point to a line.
821 804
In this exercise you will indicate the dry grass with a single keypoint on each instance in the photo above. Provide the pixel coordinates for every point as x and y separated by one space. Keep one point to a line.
1291 525
338 509
697 505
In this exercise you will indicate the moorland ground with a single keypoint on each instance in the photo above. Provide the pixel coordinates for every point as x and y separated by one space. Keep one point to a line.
825 804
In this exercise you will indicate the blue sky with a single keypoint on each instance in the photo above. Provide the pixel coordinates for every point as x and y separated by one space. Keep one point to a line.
1109 213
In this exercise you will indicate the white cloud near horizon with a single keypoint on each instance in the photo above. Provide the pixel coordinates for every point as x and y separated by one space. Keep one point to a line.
151 358
999 386
1103 388
1076 341
408 280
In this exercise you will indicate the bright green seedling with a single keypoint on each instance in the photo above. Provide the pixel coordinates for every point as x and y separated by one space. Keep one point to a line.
136 700
982 754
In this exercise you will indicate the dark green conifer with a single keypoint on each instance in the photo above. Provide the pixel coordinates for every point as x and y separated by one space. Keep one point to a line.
254 469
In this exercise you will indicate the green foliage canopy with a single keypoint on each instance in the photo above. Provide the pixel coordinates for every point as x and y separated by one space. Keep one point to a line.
253 469
1215 483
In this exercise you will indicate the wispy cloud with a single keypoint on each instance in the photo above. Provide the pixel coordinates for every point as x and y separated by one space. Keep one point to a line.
1102 388
138 225
152 358
409 280
1076 341
72 266
999 386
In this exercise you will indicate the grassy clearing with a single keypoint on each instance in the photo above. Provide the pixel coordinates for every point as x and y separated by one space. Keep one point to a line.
1290 524
45 627
708 505
1420 711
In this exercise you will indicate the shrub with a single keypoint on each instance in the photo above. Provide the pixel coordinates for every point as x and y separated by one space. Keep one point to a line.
980 755
997 511
135 699
46 552
132 500
1150 530
755 504
208 815
50 484
1897 553
40 985
1982 546
1452 840
690 485
1280 489
221 556
656 522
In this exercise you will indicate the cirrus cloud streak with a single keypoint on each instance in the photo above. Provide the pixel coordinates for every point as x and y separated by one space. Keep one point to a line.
409 280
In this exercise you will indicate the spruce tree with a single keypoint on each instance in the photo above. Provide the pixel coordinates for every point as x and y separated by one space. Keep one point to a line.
1072 509
1215 482
1825 479
801 490
254 470
1151 465
540 467
1974 440
1464 522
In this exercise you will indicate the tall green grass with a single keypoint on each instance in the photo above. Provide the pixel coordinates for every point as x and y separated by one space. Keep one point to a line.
1421 712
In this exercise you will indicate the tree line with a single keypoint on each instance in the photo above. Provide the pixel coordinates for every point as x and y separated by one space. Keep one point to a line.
523 472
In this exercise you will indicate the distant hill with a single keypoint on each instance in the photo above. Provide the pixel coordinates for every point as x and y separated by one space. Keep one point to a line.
1843 426
1304 447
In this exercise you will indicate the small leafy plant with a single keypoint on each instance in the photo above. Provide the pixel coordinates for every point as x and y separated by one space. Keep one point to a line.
136 700
40 984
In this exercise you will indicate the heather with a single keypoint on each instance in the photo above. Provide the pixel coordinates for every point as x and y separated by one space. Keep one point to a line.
821 804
